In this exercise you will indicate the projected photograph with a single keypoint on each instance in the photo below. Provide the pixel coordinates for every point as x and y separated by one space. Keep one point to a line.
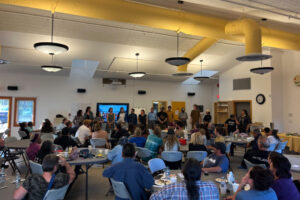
104 107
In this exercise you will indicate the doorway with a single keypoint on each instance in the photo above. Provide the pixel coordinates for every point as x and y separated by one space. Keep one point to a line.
238 106
176 108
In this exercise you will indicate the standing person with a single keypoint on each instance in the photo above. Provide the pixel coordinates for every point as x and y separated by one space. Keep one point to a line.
162 118
143 118
122 117
230 125
35 186
34 147
244 122
110 116
195 115
183 116
170 115
207 117
132 174
132 118
283 185
152 118
98 118
78 119
191 188
88 114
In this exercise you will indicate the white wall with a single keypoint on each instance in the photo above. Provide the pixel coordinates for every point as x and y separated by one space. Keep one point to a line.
56 94
259 84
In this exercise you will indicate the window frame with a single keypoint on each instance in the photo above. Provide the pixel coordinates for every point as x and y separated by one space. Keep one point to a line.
17 99
10 110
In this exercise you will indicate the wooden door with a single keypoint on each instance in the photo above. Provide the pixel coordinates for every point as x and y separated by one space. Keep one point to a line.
176 108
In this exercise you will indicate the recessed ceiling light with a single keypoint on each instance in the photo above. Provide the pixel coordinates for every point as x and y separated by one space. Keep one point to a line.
51 68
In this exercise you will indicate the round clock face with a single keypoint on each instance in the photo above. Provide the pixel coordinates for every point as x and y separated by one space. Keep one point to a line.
260 99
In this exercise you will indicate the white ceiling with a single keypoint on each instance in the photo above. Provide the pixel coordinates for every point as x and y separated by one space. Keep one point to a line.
112 44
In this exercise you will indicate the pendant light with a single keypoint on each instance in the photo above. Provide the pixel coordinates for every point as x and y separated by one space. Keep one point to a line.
137 74
177 61
201 77
51 48
52 68
261 70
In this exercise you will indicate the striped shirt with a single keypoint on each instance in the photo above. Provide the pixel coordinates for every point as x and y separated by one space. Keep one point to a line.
178 191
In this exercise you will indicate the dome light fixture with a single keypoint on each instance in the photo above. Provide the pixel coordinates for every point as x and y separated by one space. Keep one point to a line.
261 70
51 68
137 74
51 48
180 74
177 61
201 77
254 57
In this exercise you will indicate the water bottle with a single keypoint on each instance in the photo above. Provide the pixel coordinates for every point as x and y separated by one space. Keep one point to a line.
18 177
230 178
2 173
223 187
167 173
2 177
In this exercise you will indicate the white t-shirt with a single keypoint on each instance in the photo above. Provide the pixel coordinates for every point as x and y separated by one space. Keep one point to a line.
122 117
272 140
82 133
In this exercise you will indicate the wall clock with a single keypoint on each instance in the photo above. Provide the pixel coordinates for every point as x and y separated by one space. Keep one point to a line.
260 99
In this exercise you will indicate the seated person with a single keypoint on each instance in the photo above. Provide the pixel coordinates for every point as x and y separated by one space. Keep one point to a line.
29 127
99 133
135 176
62 124
219 132
191 188
272 136
115 155
34 147
260 181
256 134
217 161
119 132
259 156
65 139
23 127
198 141
47 127
35 186
46 148
154 142
283 185
171 142
84 132
137 138
179 129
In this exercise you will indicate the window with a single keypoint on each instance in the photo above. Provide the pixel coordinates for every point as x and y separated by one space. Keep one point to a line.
24 110
5 113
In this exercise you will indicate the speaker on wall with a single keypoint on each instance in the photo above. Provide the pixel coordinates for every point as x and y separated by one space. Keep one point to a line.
81 90
191 93
12 87
141 92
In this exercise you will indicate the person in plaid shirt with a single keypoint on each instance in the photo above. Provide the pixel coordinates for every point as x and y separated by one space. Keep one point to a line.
191 189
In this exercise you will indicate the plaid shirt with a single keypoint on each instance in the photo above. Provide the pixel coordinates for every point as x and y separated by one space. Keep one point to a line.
207 191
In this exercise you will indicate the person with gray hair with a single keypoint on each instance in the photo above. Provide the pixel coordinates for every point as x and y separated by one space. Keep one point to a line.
259 156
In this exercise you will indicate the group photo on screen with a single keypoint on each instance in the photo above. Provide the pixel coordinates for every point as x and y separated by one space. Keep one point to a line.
104 108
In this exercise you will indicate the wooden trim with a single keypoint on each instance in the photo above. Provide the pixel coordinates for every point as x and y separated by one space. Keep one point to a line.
9 112
243 101
16 108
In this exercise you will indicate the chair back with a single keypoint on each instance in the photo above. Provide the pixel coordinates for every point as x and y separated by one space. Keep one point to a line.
228 145
143 152
272 147
56 194
250 164
47 136
35 168
171 156
98 142
198 155
120 189
281 146
10 139
22 134
156 164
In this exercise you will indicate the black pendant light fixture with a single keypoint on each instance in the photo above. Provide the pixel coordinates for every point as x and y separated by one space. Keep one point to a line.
177 61
52 68
261 70
137 74
201 77
51 48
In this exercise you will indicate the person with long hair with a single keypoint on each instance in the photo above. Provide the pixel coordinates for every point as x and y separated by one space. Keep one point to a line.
88 114
198 141
46 148
138 138
122 116
110 116
244 122
192 188
272 136
23 127
47 127
260 181
34 147
142 119
283 185
78 119
171 142
154 142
